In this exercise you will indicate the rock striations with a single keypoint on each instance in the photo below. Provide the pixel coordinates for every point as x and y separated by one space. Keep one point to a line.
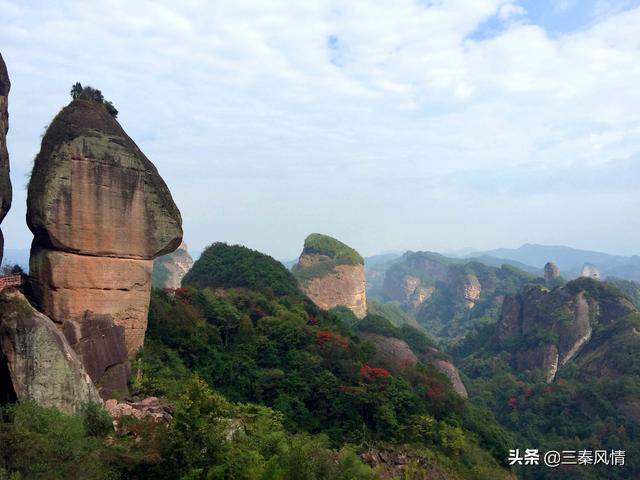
5 182
332 274
169 270
546 329
100 213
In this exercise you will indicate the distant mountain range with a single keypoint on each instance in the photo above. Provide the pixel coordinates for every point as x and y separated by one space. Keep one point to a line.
569 260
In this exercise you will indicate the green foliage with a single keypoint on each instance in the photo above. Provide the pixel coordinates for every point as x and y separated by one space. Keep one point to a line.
593 288
378 324
78 92
39 443
628 288
392 311
338 251
97 422
235 266
303 363
587 406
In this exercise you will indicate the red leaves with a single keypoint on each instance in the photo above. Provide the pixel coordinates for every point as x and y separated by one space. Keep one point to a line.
371 374
435 392
183 295
513 403
326 338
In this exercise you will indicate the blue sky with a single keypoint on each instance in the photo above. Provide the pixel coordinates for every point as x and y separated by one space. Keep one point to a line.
390 124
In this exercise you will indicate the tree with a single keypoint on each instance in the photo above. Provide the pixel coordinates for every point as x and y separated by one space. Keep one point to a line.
78 92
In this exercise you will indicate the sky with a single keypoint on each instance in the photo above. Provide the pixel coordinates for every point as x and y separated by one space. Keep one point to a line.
389 124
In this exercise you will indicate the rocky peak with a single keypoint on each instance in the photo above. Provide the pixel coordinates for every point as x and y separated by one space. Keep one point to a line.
100 213
470 290
332 274
169 270
546 329
551 272
5 181
590 271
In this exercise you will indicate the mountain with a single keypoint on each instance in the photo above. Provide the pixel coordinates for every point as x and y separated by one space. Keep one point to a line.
448 295
561 370
332 274
243 324
169 270
569 260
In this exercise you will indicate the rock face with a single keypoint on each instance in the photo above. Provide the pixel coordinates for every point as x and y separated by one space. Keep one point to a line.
552 326
36 362
551 272
398 354
169 270
100 214
471 290
332 274
5 181
590 271
393 351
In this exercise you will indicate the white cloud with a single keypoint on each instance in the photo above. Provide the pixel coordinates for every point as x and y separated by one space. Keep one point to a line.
241 107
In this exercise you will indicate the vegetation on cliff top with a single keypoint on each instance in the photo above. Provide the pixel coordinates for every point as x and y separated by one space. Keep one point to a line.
236 266
329 246
78 92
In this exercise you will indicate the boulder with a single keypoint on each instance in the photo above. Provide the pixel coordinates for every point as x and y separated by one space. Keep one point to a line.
93 192
5 181
332 274
169 270
38 363
100 214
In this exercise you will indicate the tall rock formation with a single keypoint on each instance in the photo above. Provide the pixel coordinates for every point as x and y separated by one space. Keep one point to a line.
5 181
590 271
332 274
169 270
546 329
470 290
36 361
551 272
100 213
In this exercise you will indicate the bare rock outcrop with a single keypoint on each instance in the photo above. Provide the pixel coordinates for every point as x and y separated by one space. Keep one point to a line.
393 351
332 274
548 328
590 271
100 214
36 361
551 272
399 355
5 181
169 270
470 290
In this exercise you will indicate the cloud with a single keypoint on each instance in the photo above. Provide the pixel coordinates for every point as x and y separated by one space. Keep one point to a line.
271 119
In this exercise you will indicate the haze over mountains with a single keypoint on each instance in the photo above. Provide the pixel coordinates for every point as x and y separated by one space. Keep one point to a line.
569 260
